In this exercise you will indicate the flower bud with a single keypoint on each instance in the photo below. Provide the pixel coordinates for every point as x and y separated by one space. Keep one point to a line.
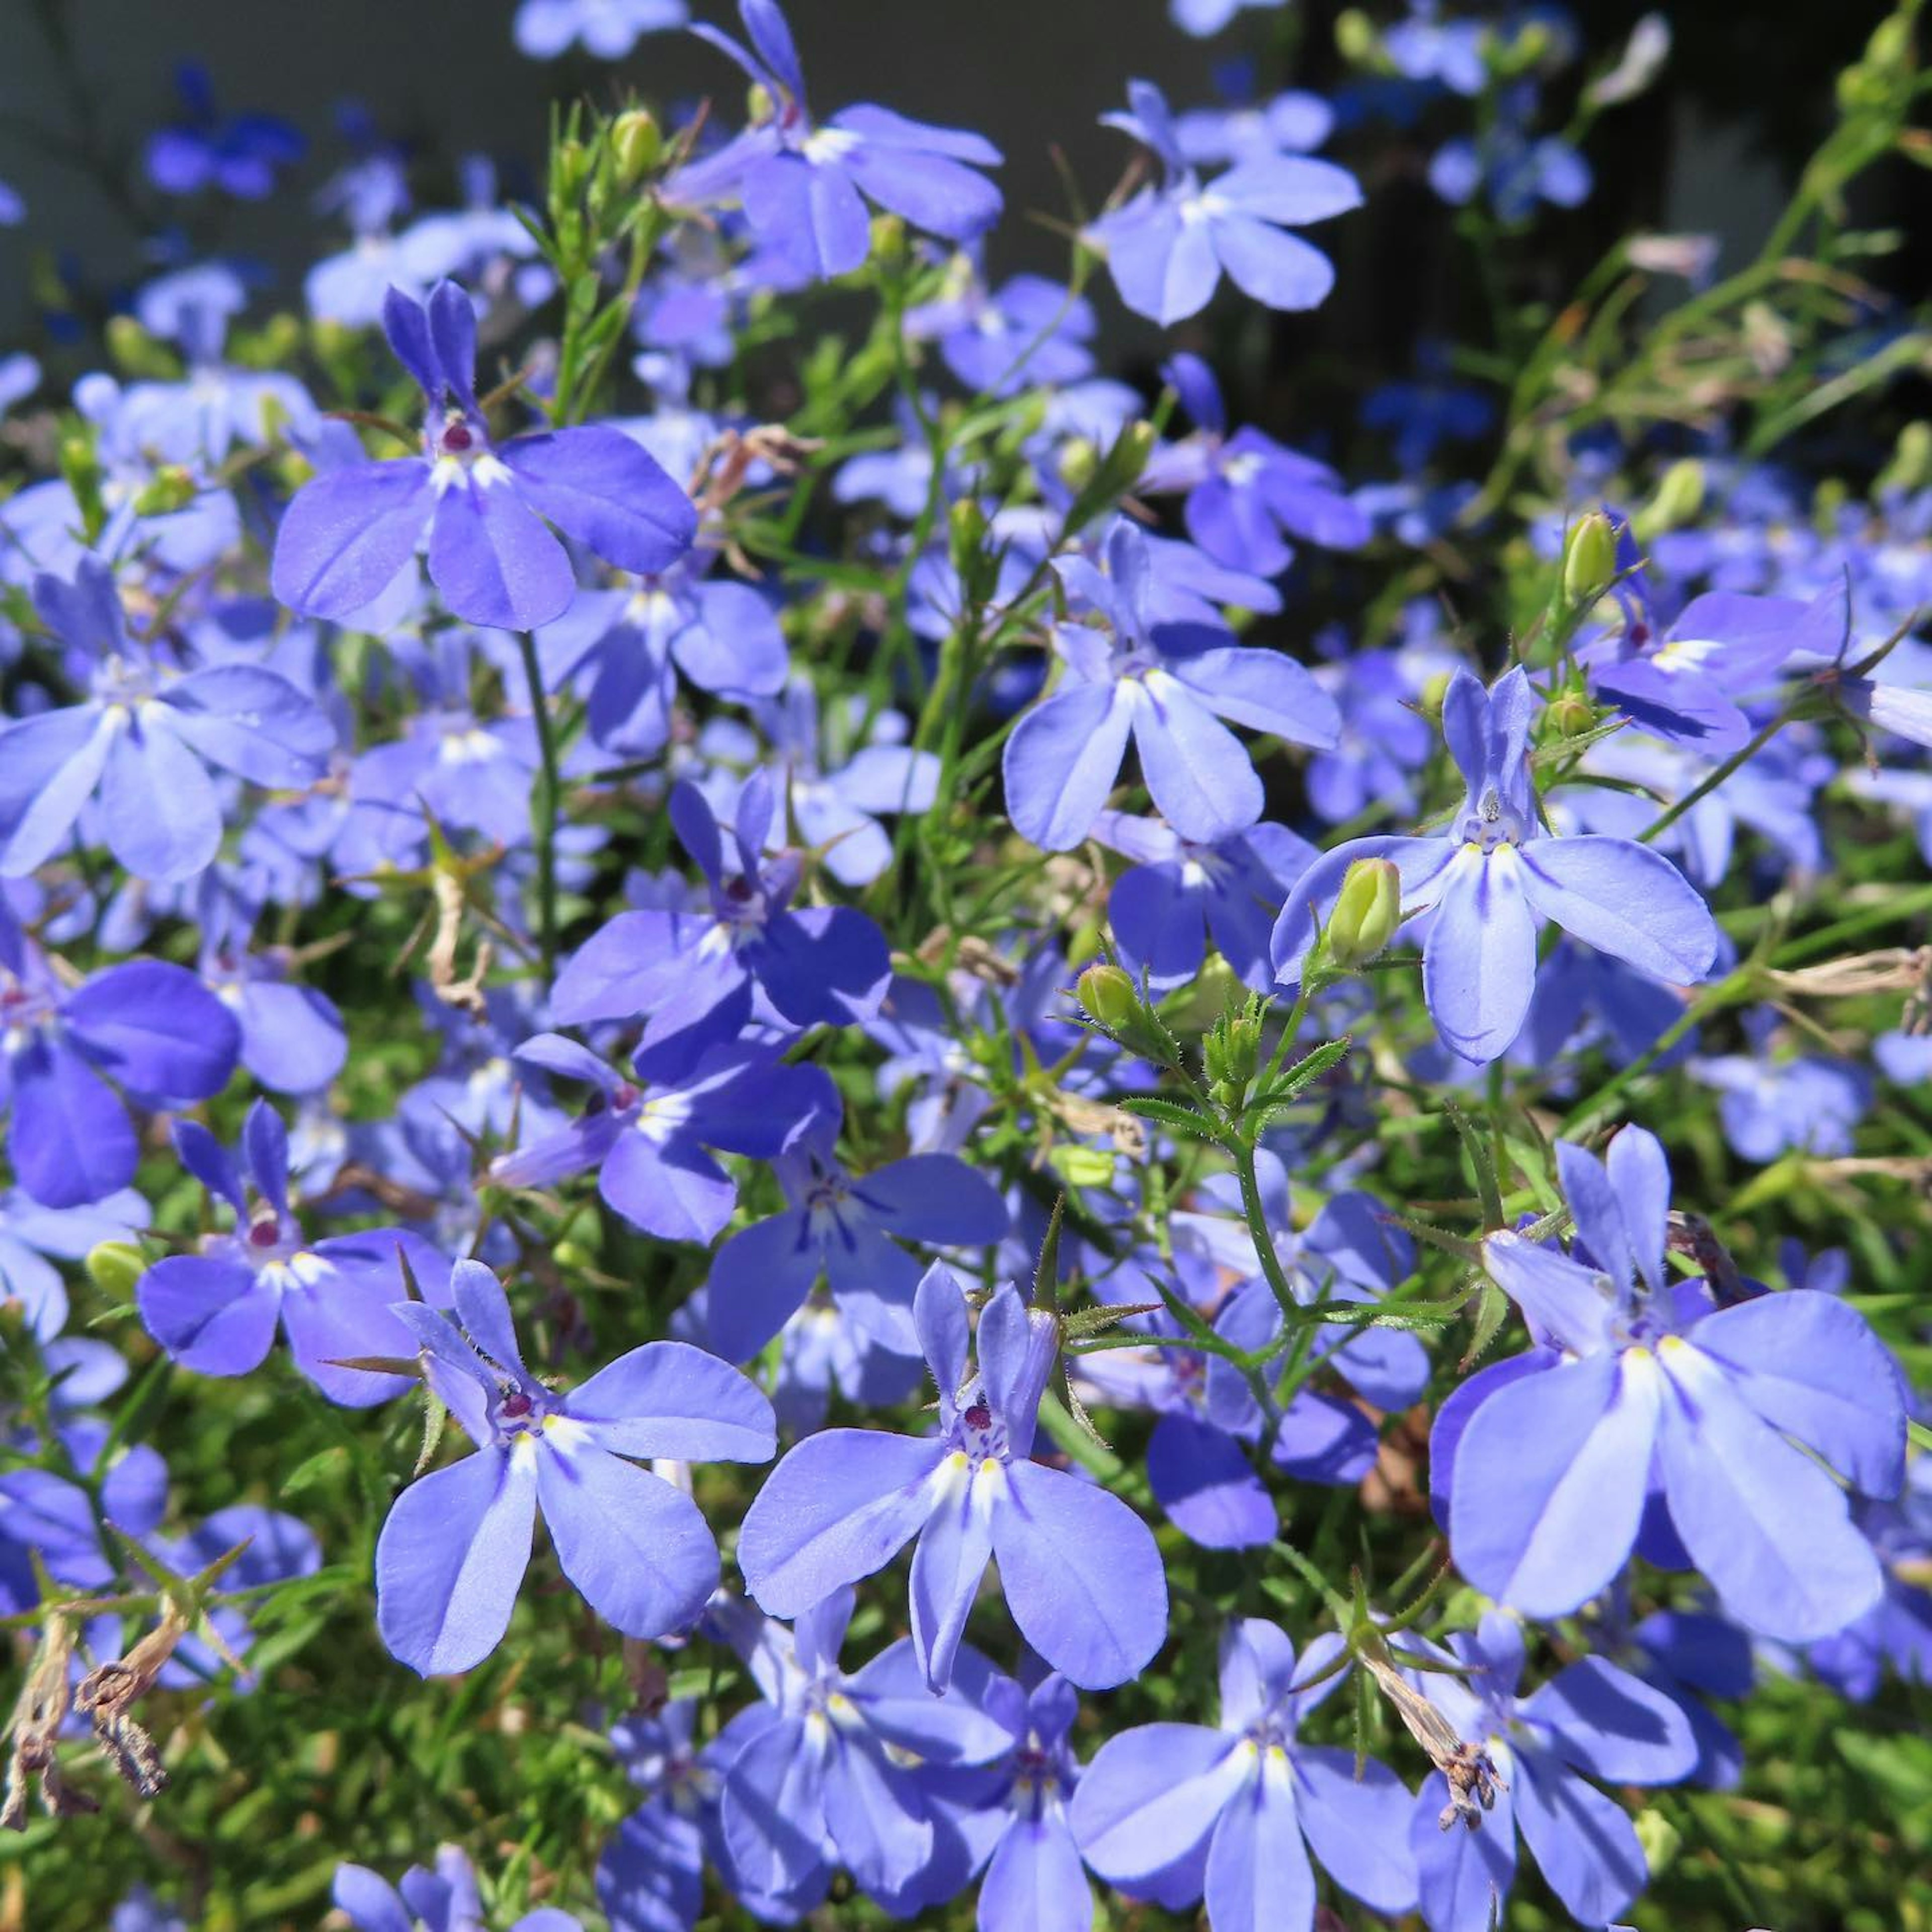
1078 461
1108 996
1572 715
968 534
635 145
1367 913
1355 39
172 488
1589 558
1911 465
1677 499
889 241
114 1267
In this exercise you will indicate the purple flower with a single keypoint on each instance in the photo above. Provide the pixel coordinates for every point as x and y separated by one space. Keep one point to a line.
842 1226
240 156
452 1554
293 1040
1081 1573
651 1876
1166 248
144 740
1493 872
1591 1720
608 29
349 533
1647 1409
1161 683
444 1899
216 1311
804 188
149 1027
1170 1811
693 973
29 1233
1247 494
1203 19
1158 908
648 1137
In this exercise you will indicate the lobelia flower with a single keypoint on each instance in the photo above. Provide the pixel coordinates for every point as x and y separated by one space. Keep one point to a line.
835 792
1170 1811
1493 872
30 1284
1648 1414
1894 1639
1292 122
240 156
1080 1570
843 1226
650 1876
216 1311
148 1027
279 1548
293 1040
825 1770
804 188
1166 248
631 646
202 419
1029 332
1166 686
1591 1720
694 974
1246 494
1013 1813
607 29
442 1900
452 1553
1158 908
484 506
648 1137
1203 19
1767 1108
144 740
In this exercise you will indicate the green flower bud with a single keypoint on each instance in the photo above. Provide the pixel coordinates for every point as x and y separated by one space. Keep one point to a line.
114 1267
1589 558
1078 462
968 535
1107 995
1367 913
172 488
1081 1167
635 143
1659 1839
1572 714
1433 693
1911 465
1677 498
572 1257
1355 39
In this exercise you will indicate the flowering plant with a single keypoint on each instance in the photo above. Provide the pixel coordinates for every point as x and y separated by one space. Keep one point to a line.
1171 1108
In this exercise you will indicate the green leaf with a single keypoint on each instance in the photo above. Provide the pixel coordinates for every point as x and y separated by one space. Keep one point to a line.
1171 1114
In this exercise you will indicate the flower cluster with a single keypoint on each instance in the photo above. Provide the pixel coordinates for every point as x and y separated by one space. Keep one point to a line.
1177 1130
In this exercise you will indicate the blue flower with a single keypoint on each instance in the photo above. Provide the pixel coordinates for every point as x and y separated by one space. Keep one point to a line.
1591 1720
240 156
608 29
1166 248
1647 1406
804 187
1169 1811
144 740
452 1553
483 505
1493 872
1081 1573
1166 684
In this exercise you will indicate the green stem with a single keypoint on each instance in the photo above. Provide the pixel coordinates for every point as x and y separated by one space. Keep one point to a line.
1713 778
543 806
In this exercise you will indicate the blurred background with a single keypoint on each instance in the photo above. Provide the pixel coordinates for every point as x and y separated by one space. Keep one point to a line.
1713 147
